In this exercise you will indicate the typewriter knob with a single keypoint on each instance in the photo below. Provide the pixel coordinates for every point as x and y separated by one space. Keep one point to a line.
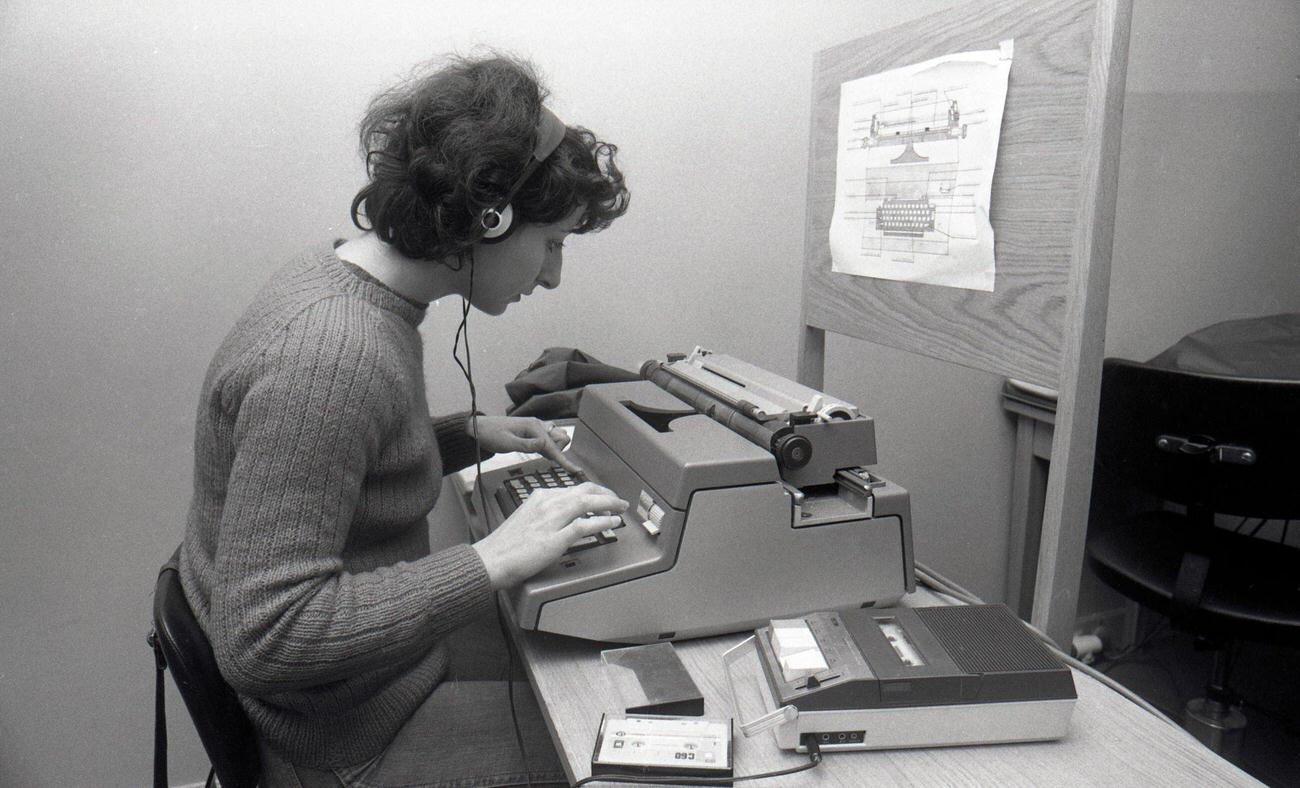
792 451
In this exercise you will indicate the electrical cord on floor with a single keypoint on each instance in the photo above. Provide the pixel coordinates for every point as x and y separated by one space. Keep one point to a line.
1131 652
952 590
814 758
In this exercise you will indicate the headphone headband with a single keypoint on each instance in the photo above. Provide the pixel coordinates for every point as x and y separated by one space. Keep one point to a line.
498 221
550 133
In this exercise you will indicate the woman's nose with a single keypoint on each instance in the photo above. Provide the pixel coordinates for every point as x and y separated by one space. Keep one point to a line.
550 273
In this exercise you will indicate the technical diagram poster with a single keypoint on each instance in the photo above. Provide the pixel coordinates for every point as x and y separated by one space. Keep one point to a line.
917 147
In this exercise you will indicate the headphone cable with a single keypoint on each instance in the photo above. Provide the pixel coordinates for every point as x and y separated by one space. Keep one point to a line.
467 369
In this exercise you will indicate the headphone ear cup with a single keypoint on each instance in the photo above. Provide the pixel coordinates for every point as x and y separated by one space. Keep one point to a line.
497 224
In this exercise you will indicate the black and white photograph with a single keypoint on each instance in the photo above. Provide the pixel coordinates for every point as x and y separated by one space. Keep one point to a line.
433 394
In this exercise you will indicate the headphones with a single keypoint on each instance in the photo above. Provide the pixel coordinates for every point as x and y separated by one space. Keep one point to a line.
498 221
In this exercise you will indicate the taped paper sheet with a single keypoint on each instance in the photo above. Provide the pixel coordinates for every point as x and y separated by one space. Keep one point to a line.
914 172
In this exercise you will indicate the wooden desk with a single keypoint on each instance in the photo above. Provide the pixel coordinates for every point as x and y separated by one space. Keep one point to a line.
1112 742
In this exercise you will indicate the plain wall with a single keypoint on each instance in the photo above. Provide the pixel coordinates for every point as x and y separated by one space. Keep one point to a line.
1208 214
160 159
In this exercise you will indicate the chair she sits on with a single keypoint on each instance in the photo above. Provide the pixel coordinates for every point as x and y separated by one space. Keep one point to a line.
1203 452
223 727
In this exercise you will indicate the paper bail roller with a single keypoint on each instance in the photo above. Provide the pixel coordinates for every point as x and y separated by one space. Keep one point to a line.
791 451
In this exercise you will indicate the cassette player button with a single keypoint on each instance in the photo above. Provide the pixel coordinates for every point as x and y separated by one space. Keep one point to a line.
796 649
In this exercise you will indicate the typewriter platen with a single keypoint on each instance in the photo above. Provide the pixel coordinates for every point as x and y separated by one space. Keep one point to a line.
750 499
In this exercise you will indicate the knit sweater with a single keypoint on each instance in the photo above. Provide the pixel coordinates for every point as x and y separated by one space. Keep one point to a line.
306 554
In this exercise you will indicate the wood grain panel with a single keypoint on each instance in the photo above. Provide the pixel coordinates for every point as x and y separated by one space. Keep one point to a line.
1017 330
1069 484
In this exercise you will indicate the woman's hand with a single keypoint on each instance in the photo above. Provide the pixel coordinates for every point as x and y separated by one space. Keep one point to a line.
511 433
547 524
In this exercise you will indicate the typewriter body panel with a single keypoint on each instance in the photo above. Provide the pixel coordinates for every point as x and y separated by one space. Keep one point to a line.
717 538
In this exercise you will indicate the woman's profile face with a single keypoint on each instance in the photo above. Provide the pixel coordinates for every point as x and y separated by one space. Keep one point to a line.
532 256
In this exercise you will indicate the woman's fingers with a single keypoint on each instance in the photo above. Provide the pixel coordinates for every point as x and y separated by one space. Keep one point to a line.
541 529
583 500
546 445
595 499
593 524
559 436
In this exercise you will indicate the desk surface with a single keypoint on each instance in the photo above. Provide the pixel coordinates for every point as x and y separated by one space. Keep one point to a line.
1112 742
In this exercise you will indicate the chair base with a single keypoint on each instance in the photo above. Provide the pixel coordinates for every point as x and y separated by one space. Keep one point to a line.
1217 726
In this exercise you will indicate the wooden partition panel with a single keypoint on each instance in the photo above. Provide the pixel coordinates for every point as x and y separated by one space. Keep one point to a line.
1017 329
1052 211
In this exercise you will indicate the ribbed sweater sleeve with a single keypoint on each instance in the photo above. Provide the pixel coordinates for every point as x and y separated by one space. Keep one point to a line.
455 443
285 614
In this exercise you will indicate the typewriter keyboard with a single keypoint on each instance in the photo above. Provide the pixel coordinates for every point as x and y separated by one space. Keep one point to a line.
515 490
911 218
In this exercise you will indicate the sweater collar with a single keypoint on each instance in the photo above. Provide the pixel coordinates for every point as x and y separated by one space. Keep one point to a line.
368 288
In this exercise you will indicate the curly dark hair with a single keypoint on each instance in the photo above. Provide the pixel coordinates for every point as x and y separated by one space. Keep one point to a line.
448 143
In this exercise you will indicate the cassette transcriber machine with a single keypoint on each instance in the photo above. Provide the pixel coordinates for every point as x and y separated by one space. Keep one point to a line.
906 677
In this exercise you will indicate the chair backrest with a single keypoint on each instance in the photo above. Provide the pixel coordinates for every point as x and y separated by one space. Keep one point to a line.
223 727
1222 444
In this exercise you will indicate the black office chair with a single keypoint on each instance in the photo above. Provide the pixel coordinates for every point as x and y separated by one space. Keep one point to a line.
1178 454
223 727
